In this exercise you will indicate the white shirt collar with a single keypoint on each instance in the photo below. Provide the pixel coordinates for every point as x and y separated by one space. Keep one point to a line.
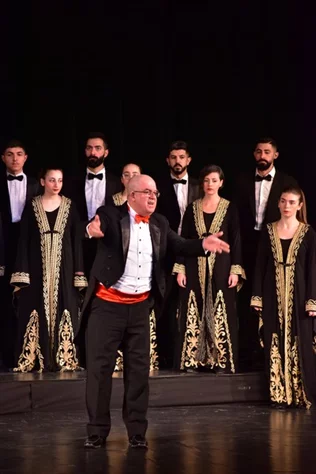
272 172
19 174
99 172
186 176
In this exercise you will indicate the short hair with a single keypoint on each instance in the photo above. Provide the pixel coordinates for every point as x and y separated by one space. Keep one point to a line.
179 145
100 135
14 143
208 169
269 140
52 167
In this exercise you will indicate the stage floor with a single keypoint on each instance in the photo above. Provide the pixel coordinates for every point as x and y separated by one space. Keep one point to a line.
65 391
219 439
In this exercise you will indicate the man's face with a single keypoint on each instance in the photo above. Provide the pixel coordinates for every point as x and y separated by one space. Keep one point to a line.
144 199
178 161
14 159
265 154
95 152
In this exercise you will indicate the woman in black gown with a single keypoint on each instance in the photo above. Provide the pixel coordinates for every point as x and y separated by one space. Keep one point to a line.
47 279
207 314
284 295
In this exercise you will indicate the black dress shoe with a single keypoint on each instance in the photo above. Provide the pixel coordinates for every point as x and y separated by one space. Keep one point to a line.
138 441
94 442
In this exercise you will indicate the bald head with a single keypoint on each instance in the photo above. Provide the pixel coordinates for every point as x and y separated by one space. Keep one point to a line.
142 194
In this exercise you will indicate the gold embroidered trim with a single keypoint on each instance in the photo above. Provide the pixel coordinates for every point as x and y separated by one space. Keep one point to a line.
285 289
66 356
20 277
222 341
80 281
153 348
178 268
191 336
277 385
31 350
118 199
51 248
238 270
260 330
310 305
300 398
314 344
256 301
201 229
2 268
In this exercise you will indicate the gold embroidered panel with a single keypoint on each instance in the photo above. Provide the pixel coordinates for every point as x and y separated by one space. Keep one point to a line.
256 301
80 281
310 305
118 199
20 277
178 268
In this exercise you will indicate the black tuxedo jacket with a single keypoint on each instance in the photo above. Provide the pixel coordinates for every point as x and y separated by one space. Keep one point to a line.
245 199
74 188
32 189
167 202
109 263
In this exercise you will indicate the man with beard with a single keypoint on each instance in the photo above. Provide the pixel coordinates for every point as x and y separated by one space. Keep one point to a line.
177 190
256 196
90 190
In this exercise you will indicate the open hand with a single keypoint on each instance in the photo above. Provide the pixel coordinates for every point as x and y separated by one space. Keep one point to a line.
94 228
213 243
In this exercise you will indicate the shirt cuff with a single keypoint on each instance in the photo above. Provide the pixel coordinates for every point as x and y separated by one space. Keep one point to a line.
87 231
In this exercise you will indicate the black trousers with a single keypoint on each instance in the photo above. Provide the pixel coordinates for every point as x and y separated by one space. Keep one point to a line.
109 326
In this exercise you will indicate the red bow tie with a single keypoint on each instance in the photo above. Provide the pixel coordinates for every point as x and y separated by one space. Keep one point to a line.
139 219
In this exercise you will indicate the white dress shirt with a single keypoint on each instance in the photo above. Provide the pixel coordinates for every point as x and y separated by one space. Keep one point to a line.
137 274
95 190
262 189
181 191
17 195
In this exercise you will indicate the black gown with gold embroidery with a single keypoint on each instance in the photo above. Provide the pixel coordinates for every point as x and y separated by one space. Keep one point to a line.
207 316
2 265
47 287
285 289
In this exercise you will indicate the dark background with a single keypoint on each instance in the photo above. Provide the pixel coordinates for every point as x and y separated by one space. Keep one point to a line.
217 75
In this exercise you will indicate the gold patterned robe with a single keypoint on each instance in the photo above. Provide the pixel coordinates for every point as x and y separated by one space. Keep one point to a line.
207 318
285 290
47 287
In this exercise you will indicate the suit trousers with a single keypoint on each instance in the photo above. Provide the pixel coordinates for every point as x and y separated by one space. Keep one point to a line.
111 325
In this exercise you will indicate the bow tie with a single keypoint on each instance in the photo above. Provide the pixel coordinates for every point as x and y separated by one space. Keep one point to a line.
10 177
139 219
178 181
262 178
98 176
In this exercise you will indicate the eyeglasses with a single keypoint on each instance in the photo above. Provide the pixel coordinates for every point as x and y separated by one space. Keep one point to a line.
129 175
148 192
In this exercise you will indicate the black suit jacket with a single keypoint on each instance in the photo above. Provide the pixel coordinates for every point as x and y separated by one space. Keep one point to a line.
10 236
74 188
110 260
168 204
244 198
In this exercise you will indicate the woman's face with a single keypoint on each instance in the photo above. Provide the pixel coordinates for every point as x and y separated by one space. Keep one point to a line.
289 204
128 172
53 182
211 184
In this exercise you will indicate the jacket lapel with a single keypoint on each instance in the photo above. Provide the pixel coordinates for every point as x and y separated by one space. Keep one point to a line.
273 197
126 231
252 196
155 238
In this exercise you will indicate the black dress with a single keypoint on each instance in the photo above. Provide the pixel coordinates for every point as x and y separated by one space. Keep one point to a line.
285 290
47 286
207 317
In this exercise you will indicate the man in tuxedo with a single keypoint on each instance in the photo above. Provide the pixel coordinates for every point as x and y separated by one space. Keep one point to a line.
178 189
256 195
15 189
91 189
128 272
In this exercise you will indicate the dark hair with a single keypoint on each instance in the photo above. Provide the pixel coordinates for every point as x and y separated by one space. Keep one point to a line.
98 135
179 145
14 144
45 170
302 213
269 140
210 169
135 164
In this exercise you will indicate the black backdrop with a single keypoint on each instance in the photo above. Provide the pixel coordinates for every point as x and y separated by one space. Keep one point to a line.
216 74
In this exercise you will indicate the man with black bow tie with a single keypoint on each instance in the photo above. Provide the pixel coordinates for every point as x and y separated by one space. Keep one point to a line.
178 190
15 189
256 195
89 191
